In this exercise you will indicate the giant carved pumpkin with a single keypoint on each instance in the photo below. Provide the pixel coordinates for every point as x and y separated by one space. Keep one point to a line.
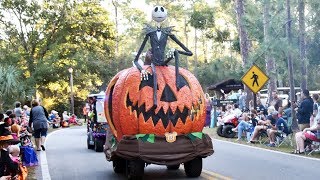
130 110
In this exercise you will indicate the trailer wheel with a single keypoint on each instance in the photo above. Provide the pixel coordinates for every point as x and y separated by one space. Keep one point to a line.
135 169
119 165
173 167
219 130
193 168
88 143
98 145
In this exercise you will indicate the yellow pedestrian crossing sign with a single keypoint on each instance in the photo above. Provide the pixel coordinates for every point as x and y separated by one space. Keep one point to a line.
255 78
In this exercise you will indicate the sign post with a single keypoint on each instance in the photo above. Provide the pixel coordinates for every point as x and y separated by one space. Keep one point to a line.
255 79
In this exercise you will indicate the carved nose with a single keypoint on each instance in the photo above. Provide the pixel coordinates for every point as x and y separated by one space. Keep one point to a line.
168 95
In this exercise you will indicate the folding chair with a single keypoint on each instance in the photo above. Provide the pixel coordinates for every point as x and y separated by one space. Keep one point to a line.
316 147
282 137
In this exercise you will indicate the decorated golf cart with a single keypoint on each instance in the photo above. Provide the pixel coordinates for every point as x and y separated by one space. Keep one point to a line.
97 123
156 112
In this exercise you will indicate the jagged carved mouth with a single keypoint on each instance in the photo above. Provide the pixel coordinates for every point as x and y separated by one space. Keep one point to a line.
165 117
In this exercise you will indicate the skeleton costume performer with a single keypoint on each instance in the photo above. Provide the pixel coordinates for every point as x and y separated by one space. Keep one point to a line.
158 40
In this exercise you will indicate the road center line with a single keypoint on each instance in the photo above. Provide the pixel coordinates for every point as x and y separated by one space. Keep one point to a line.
213 175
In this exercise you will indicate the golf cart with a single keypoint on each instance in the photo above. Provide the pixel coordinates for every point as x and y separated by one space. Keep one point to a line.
96 135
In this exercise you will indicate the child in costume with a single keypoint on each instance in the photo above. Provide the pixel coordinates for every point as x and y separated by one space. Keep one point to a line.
29 156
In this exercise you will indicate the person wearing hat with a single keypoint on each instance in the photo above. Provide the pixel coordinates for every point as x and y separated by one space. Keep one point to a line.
7 166
280 126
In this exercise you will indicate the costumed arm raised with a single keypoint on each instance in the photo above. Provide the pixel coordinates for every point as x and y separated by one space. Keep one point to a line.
139 52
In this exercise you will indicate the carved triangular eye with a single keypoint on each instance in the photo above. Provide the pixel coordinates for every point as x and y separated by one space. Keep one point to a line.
168 95
182 82
148 82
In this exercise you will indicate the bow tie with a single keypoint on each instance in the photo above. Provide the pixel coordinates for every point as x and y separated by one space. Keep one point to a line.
158 29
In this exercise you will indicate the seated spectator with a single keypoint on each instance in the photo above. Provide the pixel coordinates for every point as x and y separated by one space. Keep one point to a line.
248 121
307 133
65 116
15 131
287 111
54 119
73 120
280 126
26 110
236 111
264 125
261 108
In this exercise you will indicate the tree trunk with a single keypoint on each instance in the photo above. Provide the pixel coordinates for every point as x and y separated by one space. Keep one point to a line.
115 4
204 46
270 64
302 44
290 68
244 42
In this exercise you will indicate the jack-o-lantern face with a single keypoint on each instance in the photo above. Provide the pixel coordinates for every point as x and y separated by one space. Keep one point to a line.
130 110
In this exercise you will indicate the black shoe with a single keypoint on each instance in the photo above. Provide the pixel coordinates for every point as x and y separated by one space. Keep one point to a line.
42 147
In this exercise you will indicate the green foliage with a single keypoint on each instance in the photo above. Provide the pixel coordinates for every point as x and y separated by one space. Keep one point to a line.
218 70
52 36
202 16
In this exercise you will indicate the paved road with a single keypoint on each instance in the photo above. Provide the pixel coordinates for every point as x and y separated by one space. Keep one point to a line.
242 162
68 158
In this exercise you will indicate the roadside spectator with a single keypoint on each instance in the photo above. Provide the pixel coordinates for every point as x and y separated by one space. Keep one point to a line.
236 111
15 131
39 118
280 125
18 111
7 166
65 116
55 119
85 111
264 125
287 111
26 110
249 121
276 101
307 133
305 110
261 109
242 101
316 104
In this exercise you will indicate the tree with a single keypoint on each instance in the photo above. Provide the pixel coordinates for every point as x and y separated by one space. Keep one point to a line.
270 64
244 41
202 18
290 64
52 36
302 44
10 85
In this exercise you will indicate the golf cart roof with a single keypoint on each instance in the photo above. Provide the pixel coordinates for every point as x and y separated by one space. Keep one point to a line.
99 96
